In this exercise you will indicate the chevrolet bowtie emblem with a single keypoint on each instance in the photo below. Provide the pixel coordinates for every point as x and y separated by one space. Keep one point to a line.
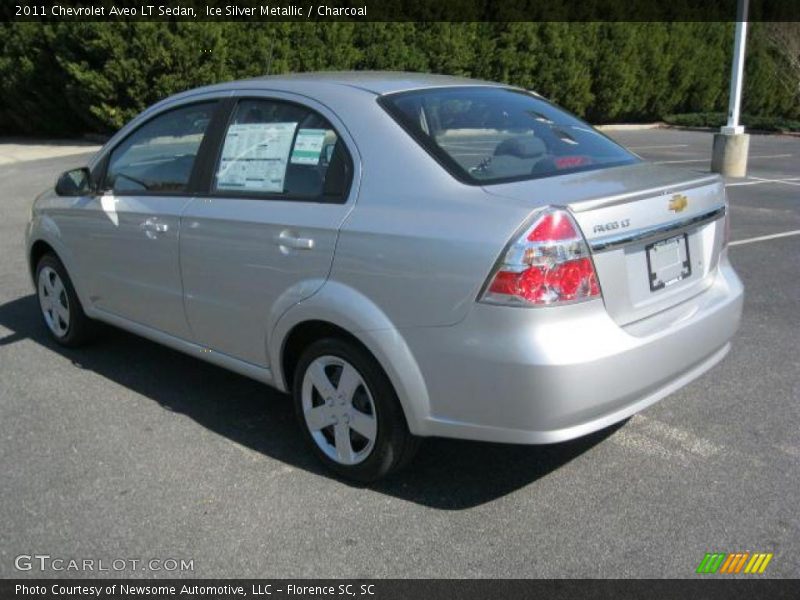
678 203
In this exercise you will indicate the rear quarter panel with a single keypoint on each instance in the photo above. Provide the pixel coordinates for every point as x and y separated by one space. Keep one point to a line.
419 244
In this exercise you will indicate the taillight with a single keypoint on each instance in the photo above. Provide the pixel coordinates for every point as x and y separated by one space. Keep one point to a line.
548 264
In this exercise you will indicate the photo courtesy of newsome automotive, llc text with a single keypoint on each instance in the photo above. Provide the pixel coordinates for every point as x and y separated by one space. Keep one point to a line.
399 299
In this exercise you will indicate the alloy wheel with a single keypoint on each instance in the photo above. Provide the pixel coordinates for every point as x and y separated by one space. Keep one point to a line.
339 410
53 301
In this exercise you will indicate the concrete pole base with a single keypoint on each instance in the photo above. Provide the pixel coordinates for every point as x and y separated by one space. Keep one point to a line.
729 156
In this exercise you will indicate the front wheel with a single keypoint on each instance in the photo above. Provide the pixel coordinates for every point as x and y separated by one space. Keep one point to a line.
62 311
349 411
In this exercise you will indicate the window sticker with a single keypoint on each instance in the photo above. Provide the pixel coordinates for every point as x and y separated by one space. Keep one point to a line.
255 156
308 146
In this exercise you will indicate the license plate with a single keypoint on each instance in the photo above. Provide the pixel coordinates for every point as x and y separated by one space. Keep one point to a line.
668 261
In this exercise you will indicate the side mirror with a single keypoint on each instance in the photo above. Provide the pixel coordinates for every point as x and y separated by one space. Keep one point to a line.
76 182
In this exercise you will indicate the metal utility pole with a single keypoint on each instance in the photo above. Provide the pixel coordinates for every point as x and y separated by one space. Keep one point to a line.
737 71
731 144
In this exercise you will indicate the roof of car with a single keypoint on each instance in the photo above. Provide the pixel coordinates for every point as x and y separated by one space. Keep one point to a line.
376 82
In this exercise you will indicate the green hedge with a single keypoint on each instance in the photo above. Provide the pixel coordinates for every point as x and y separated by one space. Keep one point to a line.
72 78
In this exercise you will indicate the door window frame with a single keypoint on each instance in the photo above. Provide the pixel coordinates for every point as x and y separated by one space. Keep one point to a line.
201 179
215 146
193 186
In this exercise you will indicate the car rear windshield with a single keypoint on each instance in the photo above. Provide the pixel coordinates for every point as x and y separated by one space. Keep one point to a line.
485 135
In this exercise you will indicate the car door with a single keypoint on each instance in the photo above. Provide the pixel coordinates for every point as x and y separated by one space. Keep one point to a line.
130 245
262 237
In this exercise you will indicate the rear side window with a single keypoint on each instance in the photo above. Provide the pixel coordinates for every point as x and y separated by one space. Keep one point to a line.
158 157
487 135
279 149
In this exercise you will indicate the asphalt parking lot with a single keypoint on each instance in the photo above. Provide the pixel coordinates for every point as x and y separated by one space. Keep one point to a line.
128 450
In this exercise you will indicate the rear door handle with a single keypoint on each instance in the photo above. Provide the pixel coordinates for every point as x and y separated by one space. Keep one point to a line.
152 224
287 240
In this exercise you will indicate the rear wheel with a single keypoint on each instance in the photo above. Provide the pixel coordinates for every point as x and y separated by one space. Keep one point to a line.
349 411
62 311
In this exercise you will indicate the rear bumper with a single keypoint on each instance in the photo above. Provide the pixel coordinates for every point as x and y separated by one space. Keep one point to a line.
540 376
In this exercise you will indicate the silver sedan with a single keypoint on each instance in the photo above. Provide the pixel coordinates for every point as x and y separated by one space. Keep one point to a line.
407 255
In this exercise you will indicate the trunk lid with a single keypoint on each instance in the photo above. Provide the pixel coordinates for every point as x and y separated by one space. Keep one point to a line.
655 232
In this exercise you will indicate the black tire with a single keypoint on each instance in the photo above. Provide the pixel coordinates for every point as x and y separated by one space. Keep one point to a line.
80 328
394 445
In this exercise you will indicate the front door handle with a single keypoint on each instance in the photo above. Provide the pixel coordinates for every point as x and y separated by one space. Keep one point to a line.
287 240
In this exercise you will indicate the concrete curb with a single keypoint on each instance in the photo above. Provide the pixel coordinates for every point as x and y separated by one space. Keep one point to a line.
662 125
14 151
748 131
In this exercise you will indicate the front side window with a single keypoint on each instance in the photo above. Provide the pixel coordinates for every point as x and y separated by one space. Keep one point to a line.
158 157
487 135
281 149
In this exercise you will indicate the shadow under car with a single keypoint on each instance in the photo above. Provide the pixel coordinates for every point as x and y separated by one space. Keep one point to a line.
446 474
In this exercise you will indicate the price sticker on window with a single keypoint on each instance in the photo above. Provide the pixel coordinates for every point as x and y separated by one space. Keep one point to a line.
308 146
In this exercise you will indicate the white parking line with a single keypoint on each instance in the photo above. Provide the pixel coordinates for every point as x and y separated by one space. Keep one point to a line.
656 147
693 160
651 437
738 183
760 180
774 155
470 146
675 162
791 181
764 238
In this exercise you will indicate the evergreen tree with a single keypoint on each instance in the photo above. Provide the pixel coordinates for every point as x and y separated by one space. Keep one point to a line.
70 77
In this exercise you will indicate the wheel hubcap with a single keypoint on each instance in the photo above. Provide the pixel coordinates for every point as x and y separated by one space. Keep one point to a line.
339 410
54 302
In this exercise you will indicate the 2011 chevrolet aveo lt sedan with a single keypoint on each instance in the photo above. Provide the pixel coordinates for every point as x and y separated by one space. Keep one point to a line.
408 255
